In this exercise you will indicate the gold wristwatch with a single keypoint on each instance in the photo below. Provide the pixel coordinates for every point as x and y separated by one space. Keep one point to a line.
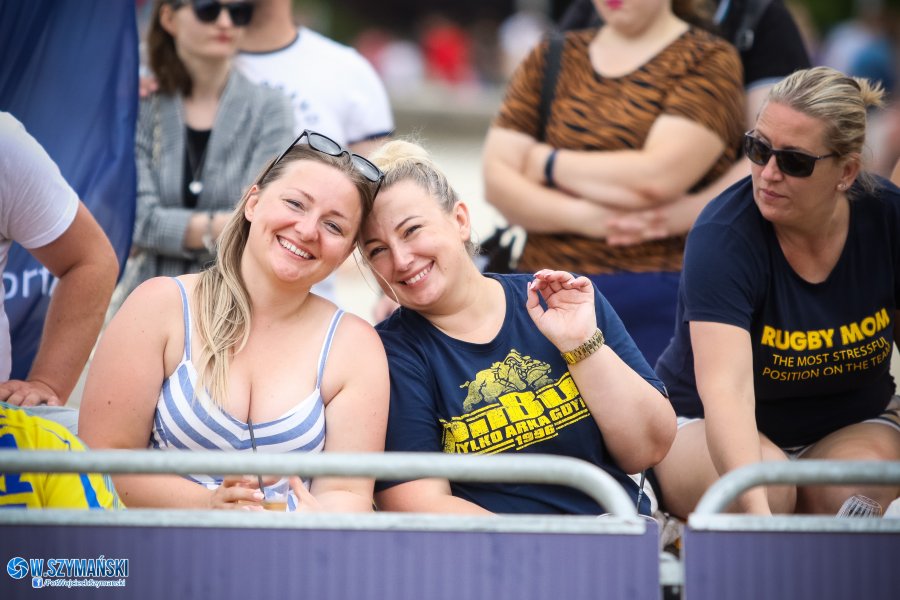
594 343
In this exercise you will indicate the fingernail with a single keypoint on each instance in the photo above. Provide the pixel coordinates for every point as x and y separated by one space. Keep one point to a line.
257 495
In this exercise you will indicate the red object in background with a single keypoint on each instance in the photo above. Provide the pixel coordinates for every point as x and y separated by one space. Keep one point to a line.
448 52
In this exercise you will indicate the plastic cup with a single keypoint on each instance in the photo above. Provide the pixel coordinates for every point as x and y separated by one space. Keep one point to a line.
276 496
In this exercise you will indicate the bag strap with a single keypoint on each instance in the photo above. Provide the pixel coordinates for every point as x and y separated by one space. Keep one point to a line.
552 63
753 12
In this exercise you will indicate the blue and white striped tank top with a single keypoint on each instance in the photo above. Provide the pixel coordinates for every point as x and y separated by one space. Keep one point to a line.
187 423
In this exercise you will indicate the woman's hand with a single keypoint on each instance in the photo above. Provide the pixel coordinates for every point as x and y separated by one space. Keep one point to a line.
635 227
237 492
570 317
306 502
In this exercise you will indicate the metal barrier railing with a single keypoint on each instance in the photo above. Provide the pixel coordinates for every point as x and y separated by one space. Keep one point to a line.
723 492
542 469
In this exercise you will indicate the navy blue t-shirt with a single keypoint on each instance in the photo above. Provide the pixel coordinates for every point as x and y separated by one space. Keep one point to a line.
821 352
513 394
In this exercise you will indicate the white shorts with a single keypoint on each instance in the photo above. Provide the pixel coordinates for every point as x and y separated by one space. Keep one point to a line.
890 417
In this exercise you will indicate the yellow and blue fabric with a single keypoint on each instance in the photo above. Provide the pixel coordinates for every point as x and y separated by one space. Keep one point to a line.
21 431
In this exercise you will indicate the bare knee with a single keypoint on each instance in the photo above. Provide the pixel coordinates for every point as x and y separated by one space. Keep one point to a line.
861 442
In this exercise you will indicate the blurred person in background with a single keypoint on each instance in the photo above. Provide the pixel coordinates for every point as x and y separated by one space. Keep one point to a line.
519 33
865 46
447 49
646 108
200 138
331 87
771 46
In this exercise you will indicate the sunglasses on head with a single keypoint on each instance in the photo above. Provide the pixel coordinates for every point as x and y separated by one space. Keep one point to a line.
790 162
207 11
326 145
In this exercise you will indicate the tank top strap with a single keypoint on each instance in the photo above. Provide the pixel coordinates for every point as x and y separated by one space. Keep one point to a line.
326 345
187 318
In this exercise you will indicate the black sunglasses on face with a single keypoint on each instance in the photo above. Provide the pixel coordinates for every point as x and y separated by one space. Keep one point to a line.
207 11
790 162
326 145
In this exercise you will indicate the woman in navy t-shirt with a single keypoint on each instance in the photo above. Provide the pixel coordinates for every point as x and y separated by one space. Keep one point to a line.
482 364
788 303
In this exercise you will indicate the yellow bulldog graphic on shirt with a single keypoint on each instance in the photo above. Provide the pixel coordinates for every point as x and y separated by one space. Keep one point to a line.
511 405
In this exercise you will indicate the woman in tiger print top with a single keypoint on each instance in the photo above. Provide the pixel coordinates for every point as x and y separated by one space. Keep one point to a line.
646 108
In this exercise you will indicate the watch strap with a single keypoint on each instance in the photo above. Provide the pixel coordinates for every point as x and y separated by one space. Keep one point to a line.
594 343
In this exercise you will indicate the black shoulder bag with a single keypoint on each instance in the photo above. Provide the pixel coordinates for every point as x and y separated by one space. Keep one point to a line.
501 251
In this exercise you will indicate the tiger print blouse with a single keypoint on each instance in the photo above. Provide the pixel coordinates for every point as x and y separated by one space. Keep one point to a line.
697 77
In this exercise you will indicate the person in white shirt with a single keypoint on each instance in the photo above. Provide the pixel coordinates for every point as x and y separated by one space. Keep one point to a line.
42 213
333 89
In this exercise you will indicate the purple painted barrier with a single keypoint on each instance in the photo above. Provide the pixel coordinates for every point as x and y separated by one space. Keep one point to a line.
221 563
752 565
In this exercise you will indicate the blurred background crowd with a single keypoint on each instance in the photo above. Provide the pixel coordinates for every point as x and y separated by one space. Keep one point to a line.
467 49
445 64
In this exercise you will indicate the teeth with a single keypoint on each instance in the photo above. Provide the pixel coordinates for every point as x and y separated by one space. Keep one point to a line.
418 276
286 244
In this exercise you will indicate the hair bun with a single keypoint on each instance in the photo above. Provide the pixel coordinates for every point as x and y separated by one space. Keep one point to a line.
394 153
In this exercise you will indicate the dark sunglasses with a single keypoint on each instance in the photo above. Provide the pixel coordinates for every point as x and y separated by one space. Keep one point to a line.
207 11
326 145
790 162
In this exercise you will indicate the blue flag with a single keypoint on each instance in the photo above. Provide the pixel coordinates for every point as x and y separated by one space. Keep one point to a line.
69 73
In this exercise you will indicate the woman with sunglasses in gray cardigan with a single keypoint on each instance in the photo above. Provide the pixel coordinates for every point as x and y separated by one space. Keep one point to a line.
200 138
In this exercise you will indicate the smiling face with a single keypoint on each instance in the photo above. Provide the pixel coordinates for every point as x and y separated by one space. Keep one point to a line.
797 201
415 248
303 224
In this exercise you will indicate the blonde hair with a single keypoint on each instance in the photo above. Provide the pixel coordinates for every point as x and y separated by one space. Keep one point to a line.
222 303
402 160
837 100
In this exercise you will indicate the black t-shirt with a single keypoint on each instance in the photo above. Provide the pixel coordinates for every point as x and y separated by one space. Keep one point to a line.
821 352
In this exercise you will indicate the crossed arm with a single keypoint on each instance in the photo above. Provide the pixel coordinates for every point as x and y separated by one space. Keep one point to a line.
677 217
594 186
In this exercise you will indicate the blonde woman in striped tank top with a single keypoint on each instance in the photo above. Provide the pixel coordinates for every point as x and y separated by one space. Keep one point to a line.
188 362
